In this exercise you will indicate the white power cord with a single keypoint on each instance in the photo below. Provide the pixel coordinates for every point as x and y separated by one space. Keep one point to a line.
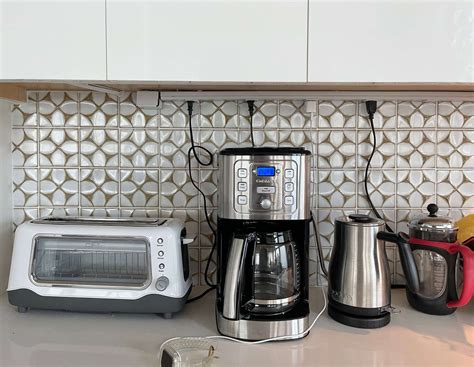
283 337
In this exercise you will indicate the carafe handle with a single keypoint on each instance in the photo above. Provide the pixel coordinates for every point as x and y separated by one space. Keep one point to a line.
233 275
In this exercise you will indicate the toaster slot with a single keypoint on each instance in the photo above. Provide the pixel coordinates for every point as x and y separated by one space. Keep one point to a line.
91 261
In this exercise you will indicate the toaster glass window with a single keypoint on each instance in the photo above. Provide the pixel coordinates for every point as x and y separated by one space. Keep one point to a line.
91 261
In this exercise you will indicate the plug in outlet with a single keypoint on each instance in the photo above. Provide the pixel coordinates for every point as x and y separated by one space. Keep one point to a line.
311 106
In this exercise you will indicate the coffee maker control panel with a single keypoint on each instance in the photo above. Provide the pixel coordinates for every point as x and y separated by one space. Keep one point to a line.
260 186
265 187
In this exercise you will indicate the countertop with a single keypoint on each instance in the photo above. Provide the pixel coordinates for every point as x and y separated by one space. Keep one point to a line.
56 338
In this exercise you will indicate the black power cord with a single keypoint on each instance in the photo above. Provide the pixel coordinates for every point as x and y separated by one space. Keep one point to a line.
251 107
371 107
193 150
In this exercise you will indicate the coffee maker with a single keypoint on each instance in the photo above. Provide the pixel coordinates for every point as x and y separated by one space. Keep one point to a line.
262 243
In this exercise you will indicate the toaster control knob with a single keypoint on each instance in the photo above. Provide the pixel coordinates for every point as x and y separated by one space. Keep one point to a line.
162 283
266 203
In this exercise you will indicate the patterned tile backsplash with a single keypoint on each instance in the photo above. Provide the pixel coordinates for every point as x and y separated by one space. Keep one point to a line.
94 154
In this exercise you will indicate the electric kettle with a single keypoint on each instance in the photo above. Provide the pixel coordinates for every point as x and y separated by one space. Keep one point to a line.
359 274
439 271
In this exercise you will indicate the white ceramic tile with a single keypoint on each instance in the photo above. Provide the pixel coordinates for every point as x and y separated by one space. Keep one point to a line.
24 147
337 189
219 114
416 188
174 146
456 115
59 109
381 187
99 187
415 114
293 116
139 148
59 187
24 115
177 190
25 187
416 148
139 188
456 189
337 114
99 147
59 147
385 153
455 149
98 109
336 148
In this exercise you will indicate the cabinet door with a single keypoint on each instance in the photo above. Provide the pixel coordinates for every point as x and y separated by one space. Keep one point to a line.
391 41
216 40
55 39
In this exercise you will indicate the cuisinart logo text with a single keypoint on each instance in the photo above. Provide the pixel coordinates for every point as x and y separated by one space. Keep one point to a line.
340 297
263 180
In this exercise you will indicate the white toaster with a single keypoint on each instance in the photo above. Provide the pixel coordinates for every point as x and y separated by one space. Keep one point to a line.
100 265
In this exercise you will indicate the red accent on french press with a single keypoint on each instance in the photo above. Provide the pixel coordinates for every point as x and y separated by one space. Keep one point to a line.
468 266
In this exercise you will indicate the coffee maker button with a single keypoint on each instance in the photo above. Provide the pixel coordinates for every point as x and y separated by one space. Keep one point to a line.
242 186
242 172
289 173
241 199
289 200
266 204
289 186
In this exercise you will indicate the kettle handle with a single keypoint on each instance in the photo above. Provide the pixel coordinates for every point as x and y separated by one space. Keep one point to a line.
406 258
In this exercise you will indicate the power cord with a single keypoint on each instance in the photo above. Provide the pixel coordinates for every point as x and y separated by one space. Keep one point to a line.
371 107
284 337
320 249
251 107
193 150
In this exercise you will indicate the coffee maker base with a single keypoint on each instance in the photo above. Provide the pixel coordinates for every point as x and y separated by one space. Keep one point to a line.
359 321
260 330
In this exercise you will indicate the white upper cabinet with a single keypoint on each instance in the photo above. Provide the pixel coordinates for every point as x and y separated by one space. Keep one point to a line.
52 40
207 41
414 41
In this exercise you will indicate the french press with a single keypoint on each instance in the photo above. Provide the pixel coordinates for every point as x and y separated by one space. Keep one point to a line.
439 271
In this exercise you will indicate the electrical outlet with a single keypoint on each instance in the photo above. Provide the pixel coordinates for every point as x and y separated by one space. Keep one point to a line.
310 106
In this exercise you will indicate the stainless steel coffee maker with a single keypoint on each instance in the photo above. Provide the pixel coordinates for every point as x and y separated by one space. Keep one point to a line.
262 243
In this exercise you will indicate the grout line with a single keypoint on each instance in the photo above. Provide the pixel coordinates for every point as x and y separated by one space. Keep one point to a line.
396 171
119 147
436 154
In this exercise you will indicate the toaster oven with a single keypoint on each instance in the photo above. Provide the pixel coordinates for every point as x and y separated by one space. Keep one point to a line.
100 265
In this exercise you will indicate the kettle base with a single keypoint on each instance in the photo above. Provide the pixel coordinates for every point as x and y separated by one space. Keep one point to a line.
358 321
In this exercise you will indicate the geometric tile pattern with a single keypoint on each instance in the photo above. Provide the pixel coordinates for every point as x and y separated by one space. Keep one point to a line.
90 153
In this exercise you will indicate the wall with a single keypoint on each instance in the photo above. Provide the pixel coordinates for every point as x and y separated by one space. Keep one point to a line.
95 154
5 194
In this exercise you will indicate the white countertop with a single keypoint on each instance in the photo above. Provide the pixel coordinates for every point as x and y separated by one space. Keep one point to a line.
54 338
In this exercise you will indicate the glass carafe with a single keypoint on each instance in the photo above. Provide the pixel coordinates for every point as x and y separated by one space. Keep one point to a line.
276 273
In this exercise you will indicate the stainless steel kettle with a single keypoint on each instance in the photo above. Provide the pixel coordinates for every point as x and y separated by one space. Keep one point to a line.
359 274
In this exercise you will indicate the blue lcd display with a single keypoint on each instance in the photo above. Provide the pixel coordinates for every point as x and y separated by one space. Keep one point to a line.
265 171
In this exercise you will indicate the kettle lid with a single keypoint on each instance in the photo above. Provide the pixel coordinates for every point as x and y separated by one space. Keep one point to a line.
432 221
360 219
